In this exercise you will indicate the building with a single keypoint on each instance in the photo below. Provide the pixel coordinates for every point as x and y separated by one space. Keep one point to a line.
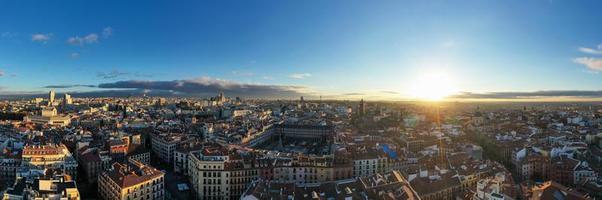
551 190
50 156
164 145
216 174
8 170
362 108
390 185
67 100
435 184
180 164
45 184
531 163
368 161
305 132
51 96
498 187
583 172
139 153
93 162
132 180
49 116
563 170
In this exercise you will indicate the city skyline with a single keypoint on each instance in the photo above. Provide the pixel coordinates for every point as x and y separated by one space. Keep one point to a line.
405 50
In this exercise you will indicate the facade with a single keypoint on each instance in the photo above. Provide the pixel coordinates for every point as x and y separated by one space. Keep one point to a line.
583 172
138 153
132 180
391 185
305 132
498 187
367 161
8 170
164 145
93 162
42 186
551 190
51 96
49 116
563 170
180 164
531 163
51 156
217 173
67 100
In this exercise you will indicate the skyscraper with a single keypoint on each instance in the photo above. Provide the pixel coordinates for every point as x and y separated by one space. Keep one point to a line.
221 98
51 97
67 100
362 108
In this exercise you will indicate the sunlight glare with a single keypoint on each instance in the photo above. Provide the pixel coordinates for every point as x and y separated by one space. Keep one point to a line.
432 86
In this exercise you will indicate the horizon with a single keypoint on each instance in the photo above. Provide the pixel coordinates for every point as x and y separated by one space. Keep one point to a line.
393 51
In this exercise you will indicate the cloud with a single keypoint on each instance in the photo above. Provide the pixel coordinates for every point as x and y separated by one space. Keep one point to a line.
597 51
242 73
590 50
43 38
210 86
112 74
74 55
1 73
299 75
115 74
353 94
591 63
107 32
91 38
535 94
68 86
88 39
389 92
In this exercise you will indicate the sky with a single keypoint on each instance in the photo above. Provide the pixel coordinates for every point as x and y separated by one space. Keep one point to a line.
336 49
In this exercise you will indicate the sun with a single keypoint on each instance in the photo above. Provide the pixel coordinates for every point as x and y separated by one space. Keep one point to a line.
432 86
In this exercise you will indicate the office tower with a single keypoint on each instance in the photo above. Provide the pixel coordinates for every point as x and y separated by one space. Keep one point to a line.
51 97
67 100
362 108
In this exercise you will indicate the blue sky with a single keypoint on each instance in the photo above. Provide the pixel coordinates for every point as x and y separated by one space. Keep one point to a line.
331 48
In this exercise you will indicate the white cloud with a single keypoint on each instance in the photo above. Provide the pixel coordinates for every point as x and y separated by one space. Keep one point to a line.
591 63
1 73
591 51
75 40
299 75
88 39
106 32
74 55
43 38
91 38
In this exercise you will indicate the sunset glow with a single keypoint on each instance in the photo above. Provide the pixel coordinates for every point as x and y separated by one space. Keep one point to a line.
432 86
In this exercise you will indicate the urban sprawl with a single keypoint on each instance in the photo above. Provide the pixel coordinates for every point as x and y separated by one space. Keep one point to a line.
226 148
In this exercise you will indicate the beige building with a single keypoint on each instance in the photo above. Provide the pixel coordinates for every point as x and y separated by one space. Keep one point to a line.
131 181
49 116
217 172
50 156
